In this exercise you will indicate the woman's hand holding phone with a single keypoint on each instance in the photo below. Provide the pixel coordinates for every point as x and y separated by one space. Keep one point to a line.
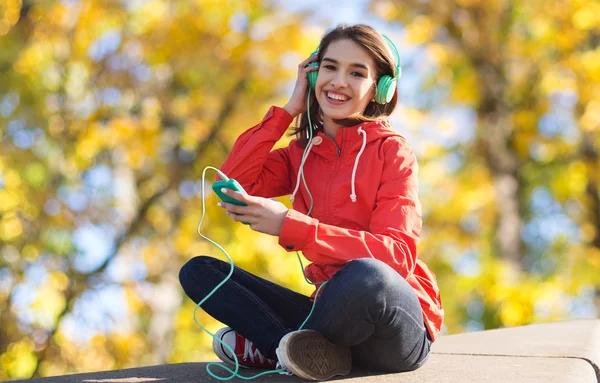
262 214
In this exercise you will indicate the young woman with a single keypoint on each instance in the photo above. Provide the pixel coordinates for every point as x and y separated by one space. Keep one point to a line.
358 223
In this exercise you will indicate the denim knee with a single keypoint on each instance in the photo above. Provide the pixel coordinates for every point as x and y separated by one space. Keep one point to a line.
192 268
367 277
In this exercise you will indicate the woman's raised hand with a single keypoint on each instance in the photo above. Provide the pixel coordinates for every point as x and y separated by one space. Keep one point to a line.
297 103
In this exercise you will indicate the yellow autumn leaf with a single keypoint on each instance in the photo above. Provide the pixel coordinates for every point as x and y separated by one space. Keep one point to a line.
19 360
11 227
420 29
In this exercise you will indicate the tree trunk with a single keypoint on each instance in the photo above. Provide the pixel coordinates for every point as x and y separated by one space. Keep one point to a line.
590 157
496 130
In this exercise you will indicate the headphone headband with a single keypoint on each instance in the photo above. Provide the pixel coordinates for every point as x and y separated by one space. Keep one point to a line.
396 55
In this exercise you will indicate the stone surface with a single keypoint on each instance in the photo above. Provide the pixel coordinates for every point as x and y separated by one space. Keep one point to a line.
440 369
561 352
575 338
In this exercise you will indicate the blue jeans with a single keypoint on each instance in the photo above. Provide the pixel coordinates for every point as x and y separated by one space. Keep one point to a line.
366 306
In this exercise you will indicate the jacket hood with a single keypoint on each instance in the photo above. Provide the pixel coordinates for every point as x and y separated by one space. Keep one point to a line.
375 130
349 139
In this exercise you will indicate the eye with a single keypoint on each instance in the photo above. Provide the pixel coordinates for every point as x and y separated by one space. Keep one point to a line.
357 74
330 67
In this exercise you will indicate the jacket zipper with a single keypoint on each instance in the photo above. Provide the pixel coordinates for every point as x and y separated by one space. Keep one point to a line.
339 150
337 167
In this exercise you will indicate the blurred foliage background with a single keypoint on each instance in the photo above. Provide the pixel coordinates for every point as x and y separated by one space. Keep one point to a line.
110 110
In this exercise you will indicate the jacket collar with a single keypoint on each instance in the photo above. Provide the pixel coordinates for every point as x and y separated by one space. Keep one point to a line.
349 140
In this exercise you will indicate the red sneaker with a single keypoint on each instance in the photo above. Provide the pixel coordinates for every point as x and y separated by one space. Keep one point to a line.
247 353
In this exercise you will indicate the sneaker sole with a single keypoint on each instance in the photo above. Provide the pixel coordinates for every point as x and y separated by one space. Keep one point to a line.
307 354
219 349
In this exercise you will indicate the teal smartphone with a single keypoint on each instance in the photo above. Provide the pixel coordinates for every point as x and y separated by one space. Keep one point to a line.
229 184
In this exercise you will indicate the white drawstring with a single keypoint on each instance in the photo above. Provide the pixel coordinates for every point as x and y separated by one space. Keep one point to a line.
360 130
280 366
300 170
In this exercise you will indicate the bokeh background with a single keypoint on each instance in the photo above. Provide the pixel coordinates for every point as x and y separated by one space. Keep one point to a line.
110 110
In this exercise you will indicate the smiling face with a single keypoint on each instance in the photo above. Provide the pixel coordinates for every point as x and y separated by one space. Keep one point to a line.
346 81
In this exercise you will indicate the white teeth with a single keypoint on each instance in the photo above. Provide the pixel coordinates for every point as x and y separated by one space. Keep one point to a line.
337 97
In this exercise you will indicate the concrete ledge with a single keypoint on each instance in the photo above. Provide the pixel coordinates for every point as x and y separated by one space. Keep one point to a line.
575 338
546 353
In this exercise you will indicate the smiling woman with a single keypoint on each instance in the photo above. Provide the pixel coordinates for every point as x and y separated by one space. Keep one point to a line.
378 304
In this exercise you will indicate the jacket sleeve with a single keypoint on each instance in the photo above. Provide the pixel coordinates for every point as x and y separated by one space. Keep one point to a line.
260 171
395 225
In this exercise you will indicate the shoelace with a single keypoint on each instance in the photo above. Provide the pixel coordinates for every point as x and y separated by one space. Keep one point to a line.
281 366
249 353
284 370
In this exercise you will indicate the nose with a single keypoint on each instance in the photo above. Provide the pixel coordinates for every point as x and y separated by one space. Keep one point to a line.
339 80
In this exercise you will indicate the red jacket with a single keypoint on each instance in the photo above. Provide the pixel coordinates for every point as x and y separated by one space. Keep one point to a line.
384 222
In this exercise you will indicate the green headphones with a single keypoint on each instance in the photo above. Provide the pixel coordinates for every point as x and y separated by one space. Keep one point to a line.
386 86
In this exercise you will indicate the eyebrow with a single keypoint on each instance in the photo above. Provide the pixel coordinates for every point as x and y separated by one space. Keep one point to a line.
363 66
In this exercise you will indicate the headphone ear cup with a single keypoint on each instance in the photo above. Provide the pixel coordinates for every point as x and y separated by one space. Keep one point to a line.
312 77
386 86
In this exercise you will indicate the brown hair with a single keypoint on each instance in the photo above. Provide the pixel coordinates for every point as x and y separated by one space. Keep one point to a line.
376 47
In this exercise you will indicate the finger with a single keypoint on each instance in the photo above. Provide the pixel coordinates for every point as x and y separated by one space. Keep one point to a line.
250 210
237 209
248 199
242 218
308 60
310 69
310 66
244 210
234 216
